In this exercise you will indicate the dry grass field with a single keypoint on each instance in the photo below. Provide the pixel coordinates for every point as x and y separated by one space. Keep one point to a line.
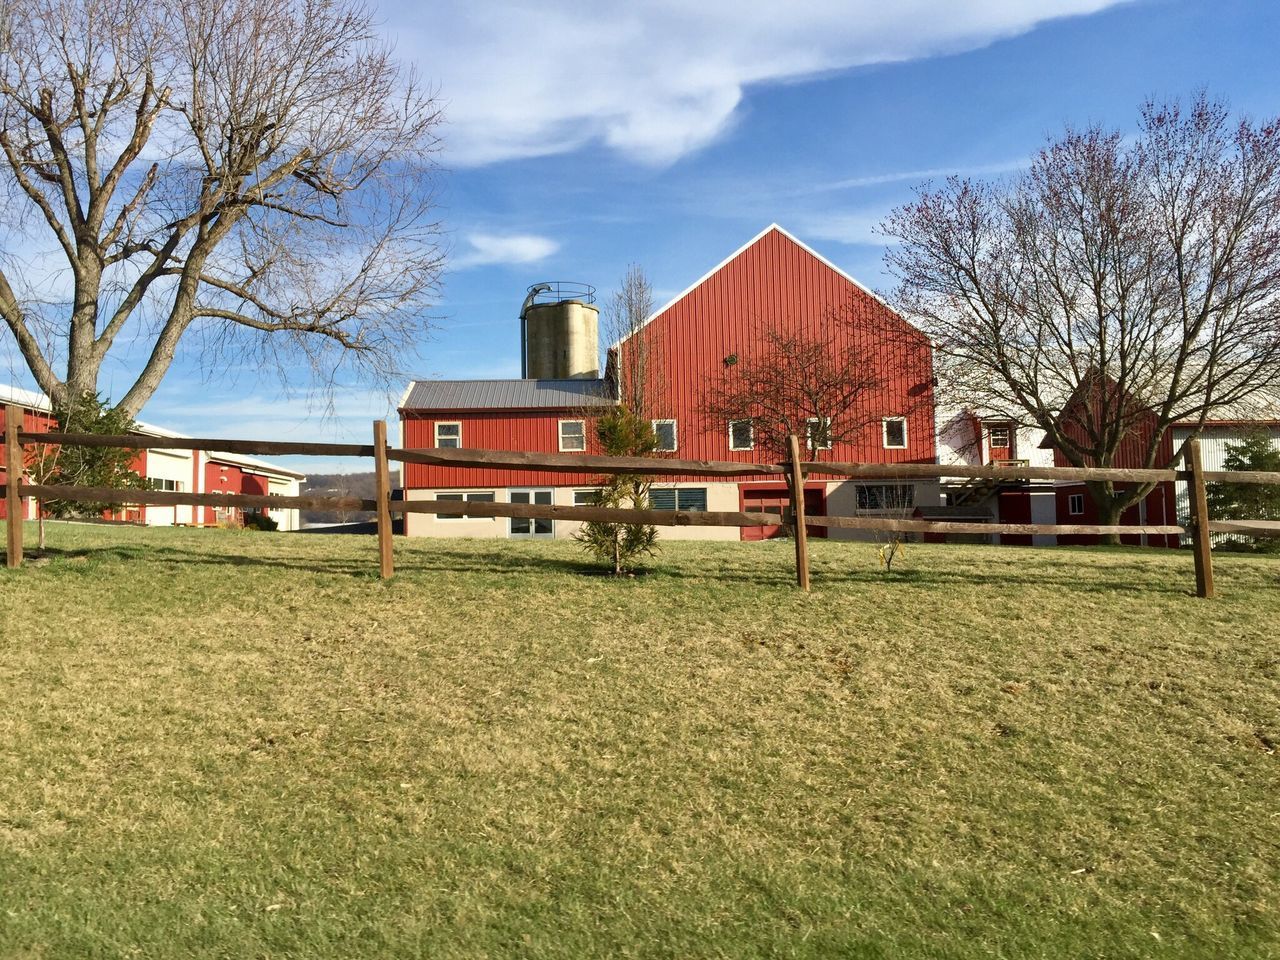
221 744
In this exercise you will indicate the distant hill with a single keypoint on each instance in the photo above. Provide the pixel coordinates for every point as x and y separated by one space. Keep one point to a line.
362 485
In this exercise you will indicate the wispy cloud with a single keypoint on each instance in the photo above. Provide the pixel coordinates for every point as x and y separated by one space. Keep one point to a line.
919 176
488 249
851 227
659 80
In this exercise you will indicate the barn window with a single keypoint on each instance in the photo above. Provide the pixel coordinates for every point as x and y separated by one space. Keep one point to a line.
817 433
1000 436
449 435
573 435
485 496
742 435
665 430
681 498
895 433
586 498
886 496
1075 504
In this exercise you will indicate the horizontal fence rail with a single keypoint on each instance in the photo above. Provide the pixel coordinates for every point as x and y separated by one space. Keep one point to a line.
277 448
892 525
530 511
161 498
644 466
584 463
793 471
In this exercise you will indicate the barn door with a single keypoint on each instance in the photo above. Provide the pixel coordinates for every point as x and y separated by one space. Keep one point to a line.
777 500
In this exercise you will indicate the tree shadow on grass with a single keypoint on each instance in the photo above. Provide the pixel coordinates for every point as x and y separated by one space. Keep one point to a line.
492 562
1133 579
1070 574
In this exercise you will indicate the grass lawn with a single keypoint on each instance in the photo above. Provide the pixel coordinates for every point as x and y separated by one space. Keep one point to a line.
245 745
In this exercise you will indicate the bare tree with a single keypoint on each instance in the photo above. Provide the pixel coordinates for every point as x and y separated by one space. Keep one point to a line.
633 375
1118 287
826 387
250 175
635 357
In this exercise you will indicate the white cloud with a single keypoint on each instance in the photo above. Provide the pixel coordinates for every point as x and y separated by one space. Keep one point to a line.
486 249
845 227
657 80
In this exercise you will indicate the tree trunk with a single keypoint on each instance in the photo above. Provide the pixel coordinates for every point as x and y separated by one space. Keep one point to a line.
1109 513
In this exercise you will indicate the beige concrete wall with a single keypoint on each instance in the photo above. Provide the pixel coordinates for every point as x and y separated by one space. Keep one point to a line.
842 501
562 341
430 525
720 496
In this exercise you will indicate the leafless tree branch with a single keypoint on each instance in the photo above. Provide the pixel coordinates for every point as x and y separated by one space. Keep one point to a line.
1113 290
249 170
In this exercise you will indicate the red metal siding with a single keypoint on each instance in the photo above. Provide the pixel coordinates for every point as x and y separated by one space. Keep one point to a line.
33 421
220 478
1132 450
774 283
1160 510
778 284
493 430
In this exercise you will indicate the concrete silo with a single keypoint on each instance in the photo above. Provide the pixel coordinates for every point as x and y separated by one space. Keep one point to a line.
560 332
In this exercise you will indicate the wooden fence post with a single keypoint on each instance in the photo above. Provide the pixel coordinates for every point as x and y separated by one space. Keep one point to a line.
1201 541
797 514
382 480
13 477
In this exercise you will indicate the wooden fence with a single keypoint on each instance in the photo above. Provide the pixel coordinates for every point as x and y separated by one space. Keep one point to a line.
793 471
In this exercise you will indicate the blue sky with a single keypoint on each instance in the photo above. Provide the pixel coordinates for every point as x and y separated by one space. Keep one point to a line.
580 140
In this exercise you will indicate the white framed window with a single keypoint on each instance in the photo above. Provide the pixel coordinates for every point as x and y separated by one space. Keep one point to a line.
573 436
886 496
449 434
1000 435
478 496
586 498
1075 504
895 432
525 526
742 435
817 433
170 486
668 440
678 498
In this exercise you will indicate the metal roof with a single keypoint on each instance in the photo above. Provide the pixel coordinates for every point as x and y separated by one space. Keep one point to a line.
507 394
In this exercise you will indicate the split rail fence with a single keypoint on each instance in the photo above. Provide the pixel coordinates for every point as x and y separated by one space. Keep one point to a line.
793 471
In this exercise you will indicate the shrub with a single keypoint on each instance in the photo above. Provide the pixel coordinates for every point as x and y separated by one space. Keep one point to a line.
260 521
622 433
1248 501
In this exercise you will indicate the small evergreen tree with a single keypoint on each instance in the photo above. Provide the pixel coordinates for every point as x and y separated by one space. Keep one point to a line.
622 433
1249 501
86 466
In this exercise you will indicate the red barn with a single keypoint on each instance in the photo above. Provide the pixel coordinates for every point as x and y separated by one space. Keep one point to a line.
772 283
198 471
